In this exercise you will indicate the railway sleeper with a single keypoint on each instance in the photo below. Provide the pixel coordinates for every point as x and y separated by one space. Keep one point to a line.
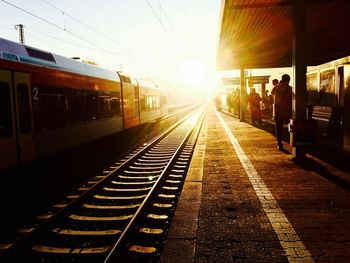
104 211
156 158
160 164
111 207
153 172
121 189
128 183
76 241
149 178
109 197
71 250
175 176
84 218
151 167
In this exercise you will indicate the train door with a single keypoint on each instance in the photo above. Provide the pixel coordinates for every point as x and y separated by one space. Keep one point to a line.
8 141
24 118
16 143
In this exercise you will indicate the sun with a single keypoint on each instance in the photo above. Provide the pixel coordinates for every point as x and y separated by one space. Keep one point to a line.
192 72
197 79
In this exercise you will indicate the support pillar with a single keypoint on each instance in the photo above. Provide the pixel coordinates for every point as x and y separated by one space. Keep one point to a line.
299 66
242 96
20 27
263 89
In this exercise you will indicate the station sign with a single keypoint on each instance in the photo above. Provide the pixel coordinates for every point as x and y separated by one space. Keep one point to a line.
258 80
251 80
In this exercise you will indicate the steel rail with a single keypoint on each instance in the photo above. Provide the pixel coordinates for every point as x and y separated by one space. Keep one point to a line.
118 247
29 238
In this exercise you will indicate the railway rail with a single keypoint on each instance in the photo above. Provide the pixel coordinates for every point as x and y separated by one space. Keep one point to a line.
123 214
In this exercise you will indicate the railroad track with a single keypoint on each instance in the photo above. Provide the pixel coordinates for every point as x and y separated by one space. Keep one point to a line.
123 214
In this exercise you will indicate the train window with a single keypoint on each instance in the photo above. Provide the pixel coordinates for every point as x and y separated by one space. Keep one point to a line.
91 102
136 101
143 103
104 106
150 103
5 111
75 105
56 107
24 111
50 109
115 103
40 54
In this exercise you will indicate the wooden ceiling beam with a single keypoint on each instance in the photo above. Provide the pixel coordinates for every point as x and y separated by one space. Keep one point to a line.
277 4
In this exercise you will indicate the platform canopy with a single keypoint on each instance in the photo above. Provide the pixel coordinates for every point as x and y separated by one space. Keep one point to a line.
259 33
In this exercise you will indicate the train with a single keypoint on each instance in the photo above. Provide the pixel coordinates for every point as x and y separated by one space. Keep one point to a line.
50 103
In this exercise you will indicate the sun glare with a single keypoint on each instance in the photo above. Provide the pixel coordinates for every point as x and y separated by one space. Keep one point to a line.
196 80
192 72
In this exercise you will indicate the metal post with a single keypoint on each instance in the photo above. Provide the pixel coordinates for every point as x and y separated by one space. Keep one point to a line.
20 27
242 96
299 65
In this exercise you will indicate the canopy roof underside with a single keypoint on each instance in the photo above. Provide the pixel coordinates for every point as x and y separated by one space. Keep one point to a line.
259 33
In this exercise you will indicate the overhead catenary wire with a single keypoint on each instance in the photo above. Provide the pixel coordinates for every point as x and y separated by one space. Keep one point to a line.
166 16
56 38
84 24
50 23
65 41
158 19
61 28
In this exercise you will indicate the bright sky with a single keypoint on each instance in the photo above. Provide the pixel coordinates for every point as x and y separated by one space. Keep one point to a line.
125 34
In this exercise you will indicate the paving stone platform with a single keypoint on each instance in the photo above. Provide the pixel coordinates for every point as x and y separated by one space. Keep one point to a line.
245 201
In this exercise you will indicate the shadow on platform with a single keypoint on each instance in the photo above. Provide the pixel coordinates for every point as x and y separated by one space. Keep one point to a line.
328 149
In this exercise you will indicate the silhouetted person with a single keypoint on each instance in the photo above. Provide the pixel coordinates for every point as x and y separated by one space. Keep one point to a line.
254 105
229 99
217 101
282 106
267 104
275 82
236 102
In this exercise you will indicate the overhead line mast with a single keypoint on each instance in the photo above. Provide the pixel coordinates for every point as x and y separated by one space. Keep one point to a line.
20 29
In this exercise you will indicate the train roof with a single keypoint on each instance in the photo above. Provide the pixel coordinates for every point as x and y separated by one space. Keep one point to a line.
147 84
22 53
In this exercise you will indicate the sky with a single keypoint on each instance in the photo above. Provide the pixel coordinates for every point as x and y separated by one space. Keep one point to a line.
173 41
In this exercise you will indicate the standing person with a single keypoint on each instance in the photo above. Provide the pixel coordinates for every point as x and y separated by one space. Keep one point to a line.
267 106
236 102
274 82
217 101
254 105
282 106
229 101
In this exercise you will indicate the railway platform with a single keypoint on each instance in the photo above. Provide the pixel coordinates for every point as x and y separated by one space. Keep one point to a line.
245 201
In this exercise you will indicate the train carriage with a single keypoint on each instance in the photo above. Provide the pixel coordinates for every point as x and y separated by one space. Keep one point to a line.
153 102
50 103
130 94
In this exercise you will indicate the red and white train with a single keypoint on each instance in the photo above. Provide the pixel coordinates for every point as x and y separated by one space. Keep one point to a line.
50 103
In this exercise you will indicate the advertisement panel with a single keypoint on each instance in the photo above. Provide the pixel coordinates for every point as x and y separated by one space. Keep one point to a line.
313 96
327 87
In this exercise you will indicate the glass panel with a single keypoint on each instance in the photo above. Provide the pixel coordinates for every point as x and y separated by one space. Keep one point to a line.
5 111
75 105
104 105
91 102
115 103
50 106
25 122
